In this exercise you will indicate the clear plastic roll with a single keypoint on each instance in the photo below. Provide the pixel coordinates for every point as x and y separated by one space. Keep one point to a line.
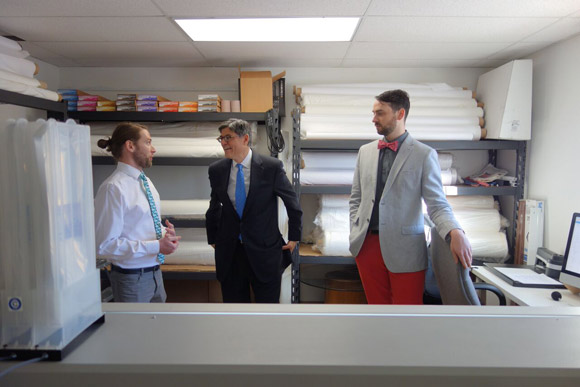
333 243
328 201
474 220
488 246
445 160
475 202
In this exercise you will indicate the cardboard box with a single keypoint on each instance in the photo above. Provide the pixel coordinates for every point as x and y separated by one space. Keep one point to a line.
256 94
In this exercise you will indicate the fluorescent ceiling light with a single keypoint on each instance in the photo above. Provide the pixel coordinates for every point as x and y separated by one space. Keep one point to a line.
312 29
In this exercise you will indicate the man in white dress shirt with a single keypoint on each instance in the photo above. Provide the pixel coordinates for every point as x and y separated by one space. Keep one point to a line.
127 227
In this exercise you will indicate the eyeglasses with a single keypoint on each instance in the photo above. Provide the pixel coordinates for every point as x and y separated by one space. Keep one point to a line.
226 138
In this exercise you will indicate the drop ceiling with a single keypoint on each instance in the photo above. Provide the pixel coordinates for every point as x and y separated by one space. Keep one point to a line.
391 33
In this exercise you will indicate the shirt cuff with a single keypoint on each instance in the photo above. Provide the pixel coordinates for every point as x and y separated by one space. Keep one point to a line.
152 247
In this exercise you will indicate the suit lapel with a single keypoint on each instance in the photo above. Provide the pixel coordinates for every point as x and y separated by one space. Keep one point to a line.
402 156
225 170
374 165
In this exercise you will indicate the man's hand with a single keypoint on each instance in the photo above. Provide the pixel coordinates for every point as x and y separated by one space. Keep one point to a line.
290 246
170 229
169 243
460 247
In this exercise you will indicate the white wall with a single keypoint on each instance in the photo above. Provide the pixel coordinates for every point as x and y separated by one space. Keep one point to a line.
553 152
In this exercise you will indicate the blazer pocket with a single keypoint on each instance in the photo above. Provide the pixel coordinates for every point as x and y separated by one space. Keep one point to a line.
412 230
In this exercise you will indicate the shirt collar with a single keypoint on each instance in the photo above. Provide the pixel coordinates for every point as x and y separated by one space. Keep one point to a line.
246 162
128 170
399 139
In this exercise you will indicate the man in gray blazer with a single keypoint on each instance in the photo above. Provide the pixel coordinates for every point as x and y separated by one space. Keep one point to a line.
386 220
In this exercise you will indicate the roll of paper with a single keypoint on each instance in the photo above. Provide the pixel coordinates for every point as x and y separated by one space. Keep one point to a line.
18 66
235 106
226 105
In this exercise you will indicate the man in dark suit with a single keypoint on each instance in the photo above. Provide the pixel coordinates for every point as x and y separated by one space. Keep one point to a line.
242 219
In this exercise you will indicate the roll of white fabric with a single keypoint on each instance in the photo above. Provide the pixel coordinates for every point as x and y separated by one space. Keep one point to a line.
476 201
469 134
326 176
474 220
194 208
329 201
18 66
28 90
333 243
333 218
445 160
488 246
373 91
366 120
14 53
449 176
368 101
173 147
421 136
387 86
10 76
329 160
193 248
10 44
414 112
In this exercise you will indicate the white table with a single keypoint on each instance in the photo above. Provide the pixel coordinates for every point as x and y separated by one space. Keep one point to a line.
526 296
319 345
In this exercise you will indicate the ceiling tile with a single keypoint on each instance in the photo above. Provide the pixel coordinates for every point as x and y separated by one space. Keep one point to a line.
212 50
518 51
423 51
137 54
466 8
562 29
405 63
261 8
93 29
448 29
79 8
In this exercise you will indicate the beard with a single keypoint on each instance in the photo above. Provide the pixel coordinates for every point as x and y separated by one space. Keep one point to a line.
143 161
385 130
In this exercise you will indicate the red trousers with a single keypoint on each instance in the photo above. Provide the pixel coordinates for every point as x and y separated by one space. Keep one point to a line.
382 286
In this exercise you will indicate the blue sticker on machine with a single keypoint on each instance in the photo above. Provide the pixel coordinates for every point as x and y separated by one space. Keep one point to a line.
15 304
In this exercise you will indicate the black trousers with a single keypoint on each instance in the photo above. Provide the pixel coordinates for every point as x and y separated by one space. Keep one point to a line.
236 284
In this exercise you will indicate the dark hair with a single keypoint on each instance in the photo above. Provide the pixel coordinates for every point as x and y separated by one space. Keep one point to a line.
124 132
397 99
239 127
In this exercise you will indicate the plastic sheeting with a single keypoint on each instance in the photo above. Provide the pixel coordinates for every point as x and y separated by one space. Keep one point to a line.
332 226
49 283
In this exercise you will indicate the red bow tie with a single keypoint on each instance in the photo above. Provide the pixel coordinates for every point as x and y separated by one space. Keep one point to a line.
394 145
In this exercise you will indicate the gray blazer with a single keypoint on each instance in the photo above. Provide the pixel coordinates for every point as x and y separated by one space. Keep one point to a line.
415 174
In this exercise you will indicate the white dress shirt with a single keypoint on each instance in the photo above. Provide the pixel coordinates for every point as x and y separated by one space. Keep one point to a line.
124 230
246 168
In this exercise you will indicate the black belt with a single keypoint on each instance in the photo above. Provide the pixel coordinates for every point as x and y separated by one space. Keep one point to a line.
374 231
134 271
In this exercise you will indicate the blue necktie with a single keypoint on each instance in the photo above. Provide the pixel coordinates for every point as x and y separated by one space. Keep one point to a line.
154 214
240 191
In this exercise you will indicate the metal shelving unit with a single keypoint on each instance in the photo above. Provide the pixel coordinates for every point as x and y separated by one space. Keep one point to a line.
56 110
492 146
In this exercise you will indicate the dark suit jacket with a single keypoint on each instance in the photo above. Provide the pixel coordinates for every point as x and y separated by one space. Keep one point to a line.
259 224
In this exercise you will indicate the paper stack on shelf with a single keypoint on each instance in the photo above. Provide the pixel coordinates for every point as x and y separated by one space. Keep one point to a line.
209 103
49 283
169 106
126 102
188 106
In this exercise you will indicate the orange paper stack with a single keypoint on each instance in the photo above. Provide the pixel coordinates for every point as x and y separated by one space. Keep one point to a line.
188 106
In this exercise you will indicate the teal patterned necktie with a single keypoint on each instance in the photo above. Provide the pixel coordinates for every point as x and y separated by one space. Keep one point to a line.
154 214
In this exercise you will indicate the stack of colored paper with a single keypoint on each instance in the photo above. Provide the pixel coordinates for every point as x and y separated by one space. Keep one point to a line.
106 106
71 97
168 106
209 103
188 106
126 102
